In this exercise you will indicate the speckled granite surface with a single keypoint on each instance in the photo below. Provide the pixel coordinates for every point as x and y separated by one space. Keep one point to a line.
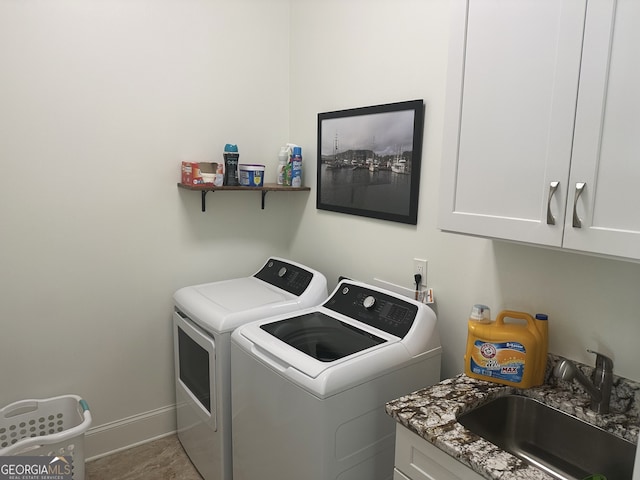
431 413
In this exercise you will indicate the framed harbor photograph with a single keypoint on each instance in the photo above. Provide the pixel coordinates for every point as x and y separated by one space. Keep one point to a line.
369 161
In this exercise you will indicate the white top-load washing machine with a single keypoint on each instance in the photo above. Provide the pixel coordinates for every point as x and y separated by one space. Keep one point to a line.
204 317
309 388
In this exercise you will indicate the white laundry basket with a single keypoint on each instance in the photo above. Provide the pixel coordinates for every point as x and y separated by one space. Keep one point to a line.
52 427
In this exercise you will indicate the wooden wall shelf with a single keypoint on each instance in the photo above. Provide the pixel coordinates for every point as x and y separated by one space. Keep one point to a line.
268 187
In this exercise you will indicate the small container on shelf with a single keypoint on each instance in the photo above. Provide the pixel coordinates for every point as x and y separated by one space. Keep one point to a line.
251 175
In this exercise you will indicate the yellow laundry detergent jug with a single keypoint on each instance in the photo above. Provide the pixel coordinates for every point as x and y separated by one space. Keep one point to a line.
511 353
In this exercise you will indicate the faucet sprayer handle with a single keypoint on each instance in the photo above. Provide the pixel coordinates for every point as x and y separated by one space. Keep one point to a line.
602 361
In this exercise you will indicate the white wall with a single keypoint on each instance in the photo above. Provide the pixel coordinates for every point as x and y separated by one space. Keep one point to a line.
99 103
362 52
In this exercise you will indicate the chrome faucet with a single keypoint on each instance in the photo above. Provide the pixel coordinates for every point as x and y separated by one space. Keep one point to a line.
599 387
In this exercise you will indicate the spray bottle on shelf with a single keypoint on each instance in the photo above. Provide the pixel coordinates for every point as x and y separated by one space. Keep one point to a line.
296 167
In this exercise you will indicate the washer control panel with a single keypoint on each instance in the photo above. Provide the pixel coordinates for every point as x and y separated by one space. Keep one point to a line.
384 312
285 276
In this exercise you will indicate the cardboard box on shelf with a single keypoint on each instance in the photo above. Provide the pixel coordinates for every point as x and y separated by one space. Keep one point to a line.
201 173
190 171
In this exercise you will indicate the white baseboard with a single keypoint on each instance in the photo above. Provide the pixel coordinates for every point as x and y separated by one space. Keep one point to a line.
129 432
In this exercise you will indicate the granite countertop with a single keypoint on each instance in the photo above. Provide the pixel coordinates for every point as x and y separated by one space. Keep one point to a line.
431 413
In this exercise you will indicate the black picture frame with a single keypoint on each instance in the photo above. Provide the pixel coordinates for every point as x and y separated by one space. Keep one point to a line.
369 161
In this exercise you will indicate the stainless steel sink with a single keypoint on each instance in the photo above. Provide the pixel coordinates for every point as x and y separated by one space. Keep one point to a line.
561 445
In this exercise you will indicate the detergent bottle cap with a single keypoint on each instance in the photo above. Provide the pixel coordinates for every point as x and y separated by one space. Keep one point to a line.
480 313
231 148
542 316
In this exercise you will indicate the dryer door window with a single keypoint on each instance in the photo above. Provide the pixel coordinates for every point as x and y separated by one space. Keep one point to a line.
322 337
194 368
195 374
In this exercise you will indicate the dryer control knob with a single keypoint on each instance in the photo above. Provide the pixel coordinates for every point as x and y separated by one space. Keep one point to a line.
369 302
282 272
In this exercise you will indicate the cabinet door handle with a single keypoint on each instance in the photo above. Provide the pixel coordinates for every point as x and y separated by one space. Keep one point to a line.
553 186
577 223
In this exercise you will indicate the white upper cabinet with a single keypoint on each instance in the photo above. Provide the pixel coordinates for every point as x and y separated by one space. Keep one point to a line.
606 150
541 98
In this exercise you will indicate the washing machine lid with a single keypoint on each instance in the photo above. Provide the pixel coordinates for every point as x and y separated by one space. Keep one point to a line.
358 331
306 345
321 336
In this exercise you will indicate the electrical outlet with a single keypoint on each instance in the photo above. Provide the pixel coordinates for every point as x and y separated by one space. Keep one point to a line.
420 266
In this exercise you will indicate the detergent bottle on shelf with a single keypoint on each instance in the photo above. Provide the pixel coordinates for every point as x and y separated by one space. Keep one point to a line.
510 353
231 157
283 159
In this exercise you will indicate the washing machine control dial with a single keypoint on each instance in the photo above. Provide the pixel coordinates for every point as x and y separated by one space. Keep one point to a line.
282 272
369 302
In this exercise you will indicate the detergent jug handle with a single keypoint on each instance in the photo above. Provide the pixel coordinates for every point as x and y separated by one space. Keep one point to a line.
514 314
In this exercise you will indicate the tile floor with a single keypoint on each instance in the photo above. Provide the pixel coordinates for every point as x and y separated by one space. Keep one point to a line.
162 459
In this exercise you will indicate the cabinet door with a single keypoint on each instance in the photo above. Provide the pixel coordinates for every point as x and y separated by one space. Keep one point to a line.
511 99
606 155
417 459
398 475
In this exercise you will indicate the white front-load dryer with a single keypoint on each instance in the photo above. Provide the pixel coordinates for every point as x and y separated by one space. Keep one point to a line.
204 317
309 388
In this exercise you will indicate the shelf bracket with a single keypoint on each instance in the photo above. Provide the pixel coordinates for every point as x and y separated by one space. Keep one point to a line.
203 196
